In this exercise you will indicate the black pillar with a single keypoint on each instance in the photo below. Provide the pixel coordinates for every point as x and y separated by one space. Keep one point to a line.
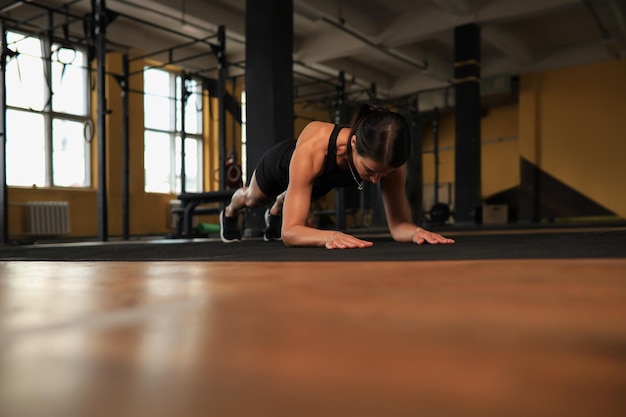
222 66
184 96
125 147
467 115
100 20
4 200
341 117
269 85
414 176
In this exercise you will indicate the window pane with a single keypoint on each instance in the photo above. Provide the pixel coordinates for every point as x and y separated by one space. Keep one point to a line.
157 82
193 111
193 108
162 149
69 81
157 112
69 157
25 82
193 165
158 103
26 155
157 162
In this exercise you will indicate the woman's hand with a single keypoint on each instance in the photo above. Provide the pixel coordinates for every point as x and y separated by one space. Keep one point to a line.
424 236
338 240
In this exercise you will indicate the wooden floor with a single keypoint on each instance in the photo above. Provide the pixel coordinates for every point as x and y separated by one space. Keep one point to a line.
456 338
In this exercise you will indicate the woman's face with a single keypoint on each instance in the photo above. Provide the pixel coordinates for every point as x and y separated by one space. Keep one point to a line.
368 169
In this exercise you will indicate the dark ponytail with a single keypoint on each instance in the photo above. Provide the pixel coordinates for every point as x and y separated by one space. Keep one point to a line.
381 135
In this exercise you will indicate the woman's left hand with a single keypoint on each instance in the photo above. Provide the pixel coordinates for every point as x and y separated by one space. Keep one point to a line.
424 236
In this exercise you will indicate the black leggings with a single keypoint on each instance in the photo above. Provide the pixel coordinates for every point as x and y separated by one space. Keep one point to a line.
272 171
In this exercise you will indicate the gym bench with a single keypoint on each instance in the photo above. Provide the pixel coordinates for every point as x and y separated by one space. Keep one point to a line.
189 203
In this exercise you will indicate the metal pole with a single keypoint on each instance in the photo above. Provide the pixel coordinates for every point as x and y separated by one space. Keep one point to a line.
221 94
184 94
100 20
125 149
415 186
367 198
4 200
340 118
234 122
436 151
47 65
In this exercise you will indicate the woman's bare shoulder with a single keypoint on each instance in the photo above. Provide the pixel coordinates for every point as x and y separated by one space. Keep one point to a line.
316 129
312 145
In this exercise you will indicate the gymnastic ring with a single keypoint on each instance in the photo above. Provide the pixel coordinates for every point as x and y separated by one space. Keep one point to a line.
233 173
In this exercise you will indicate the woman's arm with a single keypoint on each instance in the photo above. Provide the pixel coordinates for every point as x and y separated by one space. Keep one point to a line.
399 213
302 171
306 164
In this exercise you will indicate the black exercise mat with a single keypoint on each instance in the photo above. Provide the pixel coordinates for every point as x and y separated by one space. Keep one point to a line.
597 244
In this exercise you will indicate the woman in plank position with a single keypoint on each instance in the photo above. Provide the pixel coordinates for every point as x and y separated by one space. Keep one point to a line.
291 174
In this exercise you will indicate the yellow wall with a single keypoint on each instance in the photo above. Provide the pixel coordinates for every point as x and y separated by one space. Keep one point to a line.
569 122
446 149
82 203
148 212
499 154
500 150
572 127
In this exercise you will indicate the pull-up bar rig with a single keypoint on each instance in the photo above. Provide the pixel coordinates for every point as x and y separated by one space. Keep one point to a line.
97 23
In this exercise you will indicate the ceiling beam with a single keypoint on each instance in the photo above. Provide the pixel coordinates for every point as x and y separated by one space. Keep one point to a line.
620 15
338 12
196 14
571 56
507 43
610 21
328 44
431 22
437 67
419 25
345 41
459 7
407 85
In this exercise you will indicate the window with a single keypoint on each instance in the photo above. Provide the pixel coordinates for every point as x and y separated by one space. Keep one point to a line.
163 132
47 90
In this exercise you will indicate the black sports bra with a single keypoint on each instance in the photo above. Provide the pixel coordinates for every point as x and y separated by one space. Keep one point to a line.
332 176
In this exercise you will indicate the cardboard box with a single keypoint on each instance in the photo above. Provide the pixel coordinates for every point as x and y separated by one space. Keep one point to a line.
495 213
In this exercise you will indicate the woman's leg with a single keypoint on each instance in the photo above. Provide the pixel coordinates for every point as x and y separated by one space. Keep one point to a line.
250 196
247 197
277 207
273 219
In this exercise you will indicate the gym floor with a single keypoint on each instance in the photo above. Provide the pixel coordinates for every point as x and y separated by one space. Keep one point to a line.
503 323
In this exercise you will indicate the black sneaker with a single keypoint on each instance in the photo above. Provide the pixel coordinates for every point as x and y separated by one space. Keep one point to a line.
273 225
229 228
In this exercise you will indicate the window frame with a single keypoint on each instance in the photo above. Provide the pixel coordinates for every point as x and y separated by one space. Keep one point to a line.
175 131
50 115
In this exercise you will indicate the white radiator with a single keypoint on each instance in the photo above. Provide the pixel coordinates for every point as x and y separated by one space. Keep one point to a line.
48 218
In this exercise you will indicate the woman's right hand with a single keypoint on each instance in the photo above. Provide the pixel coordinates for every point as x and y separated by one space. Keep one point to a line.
339 240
